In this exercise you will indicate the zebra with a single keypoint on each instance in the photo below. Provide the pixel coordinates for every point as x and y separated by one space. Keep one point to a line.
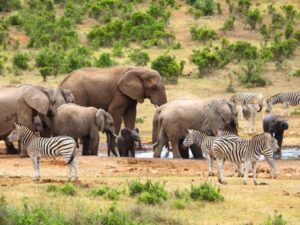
50 147
248 98
245 151
249 114
205 142
286 99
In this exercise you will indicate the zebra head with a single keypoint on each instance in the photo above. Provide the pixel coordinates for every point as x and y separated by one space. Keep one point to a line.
189 138
271 143
15 134
269 106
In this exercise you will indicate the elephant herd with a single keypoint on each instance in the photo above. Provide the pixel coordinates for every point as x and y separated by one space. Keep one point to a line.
90 100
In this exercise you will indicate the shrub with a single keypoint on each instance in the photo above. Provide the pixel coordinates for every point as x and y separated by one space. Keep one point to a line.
77 58
113 194
205 6
167 67
275 220
68 189
203 34
244 5
244 50
296 73
139 57
296 36
206 60
229 23
15 19
49 61
8 5
149 198
4 212
181 194
219 8
52 188
178 204
117 50
290 12
253 17
20 61
135 187
1 65
288 30
100 192
104 60
115 217
265 31
252 74
277 20
206 192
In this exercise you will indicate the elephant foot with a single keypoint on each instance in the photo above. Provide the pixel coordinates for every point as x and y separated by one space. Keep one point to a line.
211 174
156 154
255 183
240 175
231 175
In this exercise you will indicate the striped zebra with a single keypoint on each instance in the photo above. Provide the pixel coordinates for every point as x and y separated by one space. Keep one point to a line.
205 142
249 114
248 98
245 151
286 99
50 147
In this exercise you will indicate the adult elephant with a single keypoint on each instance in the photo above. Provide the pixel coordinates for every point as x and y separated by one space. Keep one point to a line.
81 122
116 90
172 121
22 103
275 125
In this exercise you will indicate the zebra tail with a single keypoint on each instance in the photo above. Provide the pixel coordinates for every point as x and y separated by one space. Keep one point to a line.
260 107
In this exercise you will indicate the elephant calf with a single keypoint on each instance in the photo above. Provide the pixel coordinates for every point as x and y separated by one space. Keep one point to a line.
125 142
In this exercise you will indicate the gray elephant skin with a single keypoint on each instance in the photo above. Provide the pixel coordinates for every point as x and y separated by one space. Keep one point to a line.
116 90
125 142
171 121
275 125
82 122
22 103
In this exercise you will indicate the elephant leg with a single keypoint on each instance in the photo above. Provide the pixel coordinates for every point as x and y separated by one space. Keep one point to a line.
111 144
132 152
85 145
130 115
197 152
161 142
175 149
94 142
184 151
279 138
10 148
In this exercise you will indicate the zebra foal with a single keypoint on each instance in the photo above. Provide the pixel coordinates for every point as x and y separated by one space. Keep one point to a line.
249 114
205 142
286 99
245 151
248 98
37 147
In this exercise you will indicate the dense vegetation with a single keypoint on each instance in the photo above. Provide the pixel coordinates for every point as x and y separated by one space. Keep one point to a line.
47 35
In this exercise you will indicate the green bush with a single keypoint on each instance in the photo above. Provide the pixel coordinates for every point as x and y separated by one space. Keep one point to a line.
149 198
1 65
117 50
252 74
288 30
219 8
203 34
283 49
49 61
296 73
115 217
4 211
68 189
243 6
168 68
206 192
275 220
8 5
253 17
178 204
296 36
100 192
205 6
206 60
104 60
107 192
77 58
136 187
290 12
265 31
52 188
277 20
139 57
229 23
20 61
15 19
244 50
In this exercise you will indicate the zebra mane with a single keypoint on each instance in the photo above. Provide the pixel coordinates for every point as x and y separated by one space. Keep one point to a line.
273 96
27 128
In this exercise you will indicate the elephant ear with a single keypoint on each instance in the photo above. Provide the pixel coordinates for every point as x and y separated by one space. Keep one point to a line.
131 84
37 99
68 96
100 119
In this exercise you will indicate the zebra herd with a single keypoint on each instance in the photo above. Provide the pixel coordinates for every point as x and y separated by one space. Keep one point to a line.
225 146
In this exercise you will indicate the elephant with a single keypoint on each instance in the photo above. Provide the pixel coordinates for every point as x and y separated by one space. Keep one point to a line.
275 125
117 90
81 122
22 103
125 142
172 120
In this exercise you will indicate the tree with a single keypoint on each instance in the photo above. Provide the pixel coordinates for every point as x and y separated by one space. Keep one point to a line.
139 57
253 17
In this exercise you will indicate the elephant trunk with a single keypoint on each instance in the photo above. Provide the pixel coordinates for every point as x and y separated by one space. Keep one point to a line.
111 143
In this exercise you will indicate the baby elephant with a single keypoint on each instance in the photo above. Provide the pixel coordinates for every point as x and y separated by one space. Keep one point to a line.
125 142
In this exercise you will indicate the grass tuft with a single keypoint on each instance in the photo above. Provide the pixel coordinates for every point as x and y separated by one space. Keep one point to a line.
276 219
206 192
68 189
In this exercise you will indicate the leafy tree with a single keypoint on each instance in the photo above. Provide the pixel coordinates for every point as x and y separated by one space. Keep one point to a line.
139 57
203 34
20 61
104 60
253 17
243 50
252 73
290 12
168 68
77 58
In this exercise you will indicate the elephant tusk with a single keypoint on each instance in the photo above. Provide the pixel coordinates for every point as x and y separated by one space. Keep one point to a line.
154 144
114 135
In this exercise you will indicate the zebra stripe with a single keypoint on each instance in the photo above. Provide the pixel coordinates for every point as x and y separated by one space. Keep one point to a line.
50 147
285 98
248 98
240 150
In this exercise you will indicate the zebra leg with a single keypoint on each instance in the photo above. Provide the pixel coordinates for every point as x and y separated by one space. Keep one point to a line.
241 169
254 172
210 165
70 170
234 166
38 168
75 164
246 172
220 171
273 172
34 165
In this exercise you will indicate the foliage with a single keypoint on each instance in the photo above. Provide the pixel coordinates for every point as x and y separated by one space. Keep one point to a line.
203 34
149 198
104 60
252 73
243 6
68 189
103 8
117 50
202 7
219 8
168 68
77 58
1 65
15 19
243 50
139 57
8 5
20 61
296 73
253 17
296 36
229 23
290 12
178 204
206 192
288 30
265 31
107 192
277 20
49 61
115 217
276 219
4 212
52 188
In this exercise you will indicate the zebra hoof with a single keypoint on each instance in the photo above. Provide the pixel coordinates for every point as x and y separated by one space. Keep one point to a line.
231 175
245 183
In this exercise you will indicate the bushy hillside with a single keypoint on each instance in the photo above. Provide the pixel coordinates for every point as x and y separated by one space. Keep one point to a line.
244 41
